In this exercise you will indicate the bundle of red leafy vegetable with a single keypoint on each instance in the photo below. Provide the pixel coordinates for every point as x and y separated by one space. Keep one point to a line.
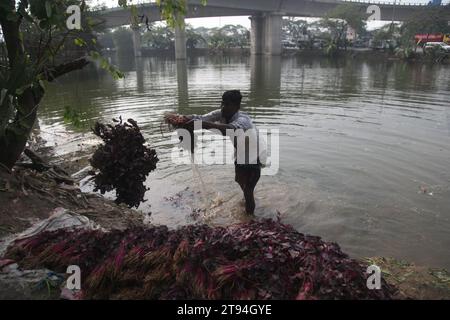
123 161
175 120
256 260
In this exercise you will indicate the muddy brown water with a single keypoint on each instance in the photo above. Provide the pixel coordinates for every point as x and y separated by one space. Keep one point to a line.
364 145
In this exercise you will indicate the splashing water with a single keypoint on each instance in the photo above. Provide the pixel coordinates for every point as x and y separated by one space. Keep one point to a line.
210 205
197 174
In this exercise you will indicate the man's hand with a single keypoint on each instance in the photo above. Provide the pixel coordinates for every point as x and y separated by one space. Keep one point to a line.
176 120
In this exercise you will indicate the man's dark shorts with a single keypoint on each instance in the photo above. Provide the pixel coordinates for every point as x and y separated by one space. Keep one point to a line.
247 175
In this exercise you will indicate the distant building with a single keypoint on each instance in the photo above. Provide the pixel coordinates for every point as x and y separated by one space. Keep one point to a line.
351 34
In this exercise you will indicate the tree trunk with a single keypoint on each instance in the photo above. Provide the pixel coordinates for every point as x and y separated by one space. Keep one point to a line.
14 136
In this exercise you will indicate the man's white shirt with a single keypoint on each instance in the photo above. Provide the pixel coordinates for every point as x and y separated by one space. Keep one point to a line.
242 125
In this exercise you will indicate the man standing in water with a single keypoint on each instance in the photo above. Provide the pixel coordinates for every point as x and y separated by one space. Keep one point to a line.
232 122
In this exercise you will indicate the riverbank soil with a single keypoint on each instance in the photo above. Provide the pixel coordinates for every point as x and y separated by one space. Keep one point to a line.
28 196
413 281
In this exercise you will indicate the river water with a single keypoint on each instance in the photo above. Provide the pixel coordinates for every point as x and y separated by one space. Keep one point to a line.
364 144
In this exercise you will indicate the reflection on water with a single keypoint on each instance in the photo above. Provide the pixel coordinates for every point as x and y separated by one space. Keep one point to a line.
364 156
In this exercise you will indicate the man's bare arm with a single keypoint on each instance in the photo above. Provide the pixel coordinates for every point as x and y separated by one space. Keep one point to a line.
208 126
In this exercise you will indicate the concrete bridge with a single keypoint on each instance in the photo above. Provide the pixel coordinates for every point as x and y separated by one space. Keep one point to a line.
265 15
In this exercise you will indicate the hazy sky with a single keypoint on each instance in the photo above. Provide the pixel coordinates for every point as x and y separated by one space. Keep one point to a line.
243 20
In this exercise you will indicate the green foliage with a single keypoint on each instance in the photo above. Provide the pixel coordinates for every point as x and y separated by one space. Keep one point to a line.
123 39
405 53
49 13
295 29
134 17
80 42
45 37
173 11
229 36
387 32
104 64
37 42
387 37
73 116
331 48
159 37
336 35
337 22
193 38
354 16
436 54
432 20
401 39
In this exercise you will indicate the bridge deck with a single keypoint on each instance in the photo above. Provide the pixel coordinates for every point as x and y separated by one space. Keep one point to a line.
114 17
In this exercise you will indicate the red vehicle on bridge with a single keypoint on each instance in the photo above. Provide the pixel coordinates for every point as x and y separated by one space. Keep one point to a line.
421 39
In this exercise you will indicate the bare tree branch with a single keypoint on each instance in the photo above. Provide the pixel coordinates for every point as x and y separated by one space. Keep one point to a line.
62 69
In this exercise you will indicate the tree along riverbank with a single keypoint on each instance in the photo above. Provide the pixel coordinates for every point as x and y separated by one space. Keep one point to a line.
353 53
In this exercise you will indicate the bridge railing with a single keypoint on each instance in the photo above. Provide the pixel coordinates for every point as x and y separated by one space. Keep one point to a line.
397 2
379 2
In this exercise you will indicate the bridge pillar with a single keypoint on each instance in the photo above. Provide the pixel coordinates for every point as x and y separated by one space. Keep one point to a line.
272 40
180 41
257 35
137 42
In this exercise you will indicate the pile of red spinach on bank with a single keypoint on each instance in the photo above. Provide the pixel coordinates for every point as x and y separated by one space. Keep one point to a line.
256 260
